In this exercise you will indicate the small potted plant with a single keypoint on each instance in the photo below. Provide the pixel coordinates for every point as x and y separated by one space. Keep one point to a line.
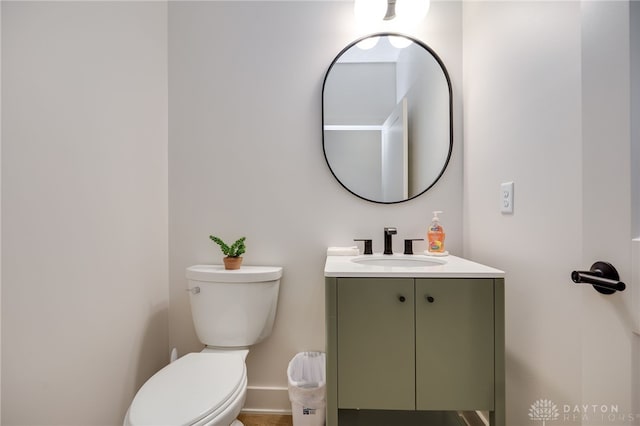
233 253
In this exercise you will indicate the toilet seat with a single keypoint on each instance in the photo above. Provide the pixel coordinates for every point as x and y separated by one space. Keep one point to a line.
193 390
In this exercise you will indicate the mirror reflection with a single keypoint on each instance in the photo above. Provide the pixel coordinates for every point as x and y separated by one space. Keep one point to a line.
387 132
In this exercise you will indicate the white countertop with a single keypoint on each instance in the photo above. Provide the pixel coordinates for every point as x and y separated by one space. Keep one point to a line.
455 267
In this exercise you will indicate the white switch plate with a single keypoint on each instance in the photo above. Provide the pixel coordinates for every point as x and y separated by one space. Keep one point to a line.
506 197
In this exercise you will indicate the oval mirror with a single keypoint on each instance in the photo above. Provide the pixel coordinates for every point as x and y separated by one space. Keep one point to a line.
387 118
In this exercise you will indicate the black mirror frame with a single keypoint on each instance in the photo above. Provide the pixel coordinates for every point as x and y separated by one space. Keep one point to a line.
448 79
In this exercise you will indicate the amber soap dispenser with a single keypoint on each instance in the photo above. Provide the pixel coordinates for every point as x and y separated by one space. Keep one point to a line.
436 235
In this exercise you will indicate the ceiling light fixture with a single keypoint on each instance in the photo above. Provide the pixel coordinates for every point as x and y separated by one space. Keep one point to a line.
391 10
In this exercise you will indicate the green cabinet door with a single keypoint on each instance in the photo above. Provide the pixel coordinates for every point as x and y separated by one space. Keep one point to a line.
454 344
376 343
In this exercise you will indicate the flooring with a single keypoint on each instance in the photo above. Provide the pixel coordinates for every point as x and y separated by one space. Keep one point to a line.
265 420
468 418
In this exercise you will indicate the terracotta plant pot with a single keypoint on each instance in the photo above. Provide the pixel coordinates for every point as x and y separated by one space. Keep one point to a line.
232 262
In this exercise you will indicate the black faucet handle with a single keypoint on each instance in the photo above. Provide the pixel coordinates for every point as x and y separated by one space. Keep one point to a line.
368 245
408 245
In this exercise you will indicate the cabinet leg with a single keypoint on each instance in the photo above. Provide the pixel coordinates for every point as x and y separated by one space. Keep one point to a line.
496 418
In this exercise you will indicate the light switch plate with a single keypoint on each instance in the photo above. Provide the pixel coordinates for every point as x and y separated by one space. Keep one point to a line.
506 197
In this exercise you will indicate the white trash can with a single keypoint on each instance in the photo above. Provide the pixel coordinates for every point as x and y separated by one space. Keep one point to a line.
306 375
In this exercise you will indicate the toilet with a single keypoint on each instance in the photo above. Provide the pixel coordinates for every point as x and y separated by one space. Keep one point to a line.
232 310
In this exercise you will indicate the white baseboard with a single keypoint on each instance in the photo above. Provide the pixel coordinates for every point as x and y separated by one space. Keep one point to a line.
267 400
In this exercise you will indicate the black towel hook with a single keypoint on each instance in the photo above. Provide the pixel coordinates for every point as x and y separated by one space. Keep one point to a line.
602 276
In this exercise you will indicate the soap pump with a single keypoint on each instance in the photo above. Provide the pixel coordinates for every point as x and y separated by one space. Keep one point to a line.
435 235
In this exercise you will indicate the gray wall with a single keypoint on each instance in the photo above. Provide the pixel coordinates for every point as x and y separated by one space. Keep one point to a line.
245 158
634 9
427 93
84 208
349 99
356 160
546 95
85 213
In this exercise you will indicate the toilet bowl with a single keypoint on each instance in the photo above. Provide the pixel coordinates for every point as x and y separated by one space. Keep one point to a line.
231 311
198 389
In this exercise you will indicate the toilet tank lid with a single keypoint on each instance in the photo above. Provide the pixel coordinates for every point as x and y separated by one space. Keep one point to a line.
217 273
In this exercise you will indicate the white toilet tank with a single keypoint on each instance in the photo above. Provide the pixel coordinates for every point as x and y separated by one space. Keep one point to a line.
233 308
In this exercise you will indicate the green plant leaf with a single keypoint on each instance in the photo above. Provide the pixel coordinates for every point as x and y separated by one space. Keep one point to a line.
236 249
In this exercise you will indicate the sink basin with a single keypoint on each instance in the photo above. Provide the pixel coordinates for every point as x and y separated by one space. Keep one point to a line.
415 261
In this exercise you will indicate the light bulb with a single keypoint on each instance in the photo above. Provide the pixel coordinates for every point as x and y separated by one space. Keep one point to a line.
368 43
411 12
368 12
399 42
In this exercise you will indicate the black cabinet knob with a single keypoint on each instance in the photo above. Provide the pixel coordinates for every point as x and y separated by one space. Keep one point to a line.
402 299
430 299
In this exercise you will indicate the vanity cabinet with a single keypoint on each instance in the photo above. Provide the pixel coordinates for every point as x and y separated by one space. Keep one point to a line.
415 344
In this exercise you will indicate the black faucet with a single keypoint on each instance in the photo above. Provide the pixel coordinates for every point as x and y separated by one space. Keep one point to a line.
388 232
